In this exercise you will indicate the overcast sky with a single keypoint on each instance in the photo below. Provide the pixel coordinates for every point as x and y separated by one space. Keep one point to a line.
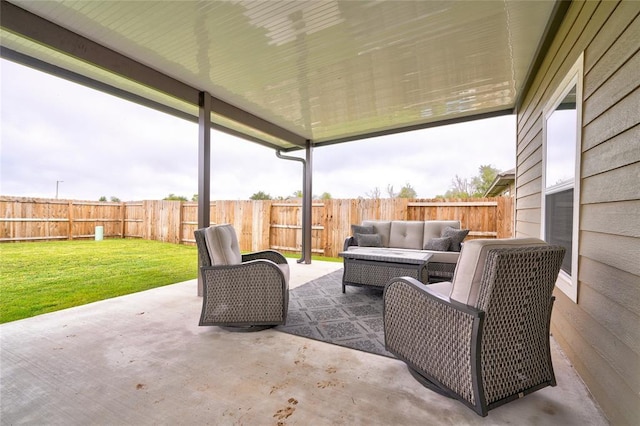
99 145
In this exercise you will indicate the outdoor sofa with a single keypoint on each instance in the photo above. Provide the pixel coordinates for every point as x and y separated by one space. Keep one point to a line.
440 238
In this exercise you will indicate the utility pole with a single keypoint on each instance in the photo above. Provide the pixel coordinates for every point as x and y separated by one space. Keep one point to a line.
57 183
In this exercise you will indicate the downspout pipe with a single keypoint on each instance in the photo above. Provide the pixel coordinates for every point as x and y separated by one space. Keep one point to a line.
305 256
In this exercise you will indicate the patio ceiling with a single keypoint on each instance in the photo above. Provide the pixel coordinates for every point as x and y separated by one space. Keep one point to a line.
282 73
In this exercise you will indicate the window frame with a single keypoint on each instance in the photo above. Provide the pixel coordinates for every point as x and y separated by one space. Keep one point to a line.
567 283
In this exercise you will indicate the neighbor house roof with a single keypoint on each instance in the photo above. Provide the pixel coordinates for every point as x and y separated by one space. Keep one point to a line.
287 72
502 182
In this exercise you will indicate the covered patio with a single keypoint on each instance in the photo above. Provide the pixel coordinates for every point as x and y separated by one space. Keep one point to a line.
295 76
142 359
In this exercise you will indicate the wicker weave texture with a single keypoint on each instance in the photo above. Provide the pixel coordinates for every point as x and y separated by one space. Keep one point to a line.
436 337
375 275
516 295
203 252
250 293
432 336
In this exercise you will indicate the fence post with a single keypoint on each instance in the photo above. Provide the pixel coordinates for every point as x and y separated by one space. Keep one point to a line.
70 216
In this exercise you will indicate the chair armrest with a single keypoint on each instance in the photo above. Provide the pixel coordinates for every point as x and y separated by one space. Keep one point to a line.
272 255
433 334
350 241
264 272
248 293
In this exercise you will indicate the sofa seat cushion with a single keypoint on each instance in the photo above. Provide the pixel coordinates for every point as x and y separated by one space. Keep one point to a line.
406 234
382 227
468 274
443 256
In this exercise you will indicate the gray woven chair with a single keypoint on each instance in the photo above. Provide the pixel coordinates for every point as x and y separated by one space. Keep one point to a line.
484 337
242 292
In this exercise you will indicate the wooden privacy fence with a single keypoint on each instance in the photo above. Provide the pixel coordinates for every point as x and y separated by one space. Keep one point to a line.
260 224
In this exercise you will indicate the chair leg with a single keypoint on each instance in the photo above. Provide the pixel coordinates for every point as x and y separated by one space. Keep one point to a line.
429 384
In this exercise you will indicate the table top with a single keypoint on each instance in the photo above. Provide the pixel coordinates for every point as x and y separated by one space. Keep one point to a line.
386 255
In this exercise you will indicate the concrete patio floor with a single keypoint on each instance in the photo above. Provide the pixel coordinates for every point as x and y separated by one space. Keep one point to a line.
143 359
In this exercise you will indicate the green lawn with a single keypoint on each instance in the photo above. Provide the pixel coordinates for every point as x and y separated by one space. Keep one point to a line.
41 277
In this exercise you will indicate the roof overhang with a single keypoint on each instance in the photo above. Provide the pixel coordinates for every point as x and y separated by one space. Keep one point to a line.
284 73
501 183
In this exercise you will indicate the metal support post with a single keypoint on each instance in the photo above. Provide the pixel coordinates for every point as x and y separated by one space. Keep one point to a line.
204 168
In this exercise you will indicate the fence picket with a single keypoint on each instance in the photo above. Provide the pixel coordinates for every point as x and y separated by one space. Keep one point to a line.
260 224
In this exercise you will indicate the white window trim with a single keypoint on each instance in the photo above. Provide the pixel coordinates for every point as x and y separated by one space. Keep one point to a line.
568 284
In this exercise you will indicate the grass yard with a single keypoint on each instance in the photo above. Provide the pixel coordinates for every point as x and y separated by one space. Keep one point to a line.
41 277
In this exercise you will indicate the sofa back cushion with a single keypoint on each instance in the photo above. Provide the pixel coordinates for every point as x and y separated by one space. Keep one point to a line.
222 244
470 267
381 227
433 229
406 234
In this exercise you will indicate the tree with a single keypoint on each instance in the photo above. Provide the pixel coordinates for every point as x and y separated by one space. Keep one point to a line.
113 199
474 188
407 191
195 197
390 192
373 194
482 182
297 194
325 196
260 195
174 197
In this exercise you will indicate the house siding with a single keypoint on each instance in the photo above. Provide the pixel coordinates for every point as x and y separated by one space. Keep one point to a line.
601 333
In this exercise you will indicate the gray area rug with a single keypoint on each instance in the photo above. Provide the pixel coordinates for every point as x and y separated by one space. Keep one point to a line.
319 310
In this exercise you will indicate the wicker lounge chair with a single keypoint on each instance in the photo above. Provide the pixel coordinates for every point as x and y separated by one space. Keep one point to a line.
242 292
484 337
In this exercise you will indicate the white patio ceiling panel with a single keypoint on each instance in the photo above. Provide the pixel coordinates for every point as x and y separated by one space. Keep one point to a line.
326 71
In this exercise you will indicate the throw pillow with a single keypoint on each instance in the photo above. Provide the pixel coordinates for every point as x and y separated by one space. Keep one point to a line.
438 244
359 229
369 240
456 235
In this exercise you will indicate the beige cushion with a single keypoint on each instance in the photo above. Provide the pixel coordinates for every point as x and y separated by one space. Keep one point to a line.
222 244
406 234
284 267
468 274
433 228
382 227
441 289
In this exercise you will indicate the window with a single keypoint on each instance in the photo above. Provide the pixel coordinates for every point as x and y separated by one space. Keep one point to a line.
561 174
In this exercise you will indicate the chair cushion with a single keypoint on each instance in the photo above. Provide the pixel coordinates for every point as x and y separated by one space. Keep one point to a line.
406 234
382 227
223 246
470 267
284 267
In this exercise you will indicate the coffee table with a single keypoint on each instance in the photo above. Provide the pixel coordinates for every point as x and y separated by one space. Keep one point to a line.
374 267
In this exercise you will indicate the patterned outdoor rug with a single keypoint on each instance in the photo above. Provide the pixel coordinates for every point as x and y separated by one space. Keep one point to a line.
319 310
